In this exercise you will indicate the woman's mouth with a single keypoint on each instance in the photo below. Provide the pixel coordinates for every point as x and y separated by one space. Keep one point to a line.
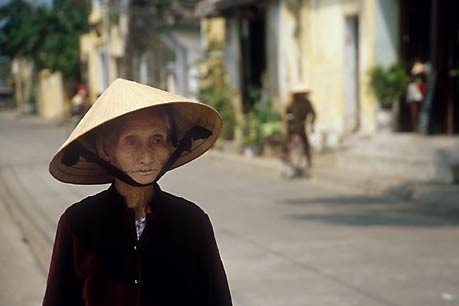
144 171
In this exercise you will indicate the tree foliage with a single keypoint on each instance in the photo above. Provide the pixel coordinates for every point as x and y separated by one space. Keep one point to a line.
18 34
47 36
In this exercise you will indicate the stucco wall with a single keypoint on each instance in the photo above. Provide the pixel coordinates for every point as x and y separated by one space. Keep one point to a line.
324 62
289 49
306 44
325 70
50 95
309 48
367 60
212 30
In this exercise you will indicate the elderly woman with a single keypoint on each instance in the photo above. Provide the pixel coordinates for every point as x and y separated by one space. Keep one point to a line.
134 244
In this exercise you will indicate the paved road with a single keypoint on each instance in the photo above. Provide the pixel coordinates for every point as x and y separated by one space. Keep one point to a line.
282 242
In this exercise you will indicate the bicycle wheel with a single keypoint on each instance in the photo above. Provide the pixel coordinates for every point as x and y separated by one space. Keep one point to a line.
295 162
298 158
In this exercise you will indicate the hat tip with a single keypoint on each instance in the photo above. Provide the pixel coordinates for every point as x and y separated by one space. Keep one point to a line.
117 80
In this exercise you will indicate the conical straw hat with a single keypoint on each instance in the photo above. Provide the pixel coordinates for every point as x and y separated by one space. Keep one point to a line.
123 97
299 88
418 68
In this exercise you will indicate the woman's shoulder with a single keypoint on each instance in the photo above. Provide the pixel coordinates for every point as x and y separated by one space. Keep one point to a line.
180 207
188 216
176 202
89 206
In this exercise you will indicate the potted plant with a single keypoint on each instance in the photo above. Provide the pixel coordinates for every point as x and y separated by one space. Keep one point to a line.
274 133
388 85
261 124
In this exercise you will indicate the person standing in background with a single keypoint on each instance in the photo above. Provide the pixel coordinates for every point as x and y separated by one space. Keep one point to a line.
415 92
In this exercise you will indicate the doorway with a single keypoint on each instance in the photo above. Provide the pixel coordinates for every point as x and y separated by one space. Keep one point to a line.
430 33
253 52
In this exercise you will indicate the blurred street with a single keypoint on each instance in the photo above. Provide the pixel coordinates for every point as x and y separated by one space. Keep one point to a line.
297 242
370 88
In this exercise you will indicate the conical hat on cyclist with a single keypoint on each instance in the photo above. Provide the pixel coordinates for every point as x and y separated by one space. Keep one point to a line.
299 88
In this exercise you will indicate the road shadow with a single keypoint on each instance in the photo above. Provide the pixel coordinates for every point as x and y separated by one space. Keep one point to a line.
341 200
368 211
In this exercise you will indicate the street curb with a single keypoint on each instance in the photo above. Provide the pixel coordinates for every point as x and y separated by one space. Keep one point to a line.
334 178
37 243
324 178
240 159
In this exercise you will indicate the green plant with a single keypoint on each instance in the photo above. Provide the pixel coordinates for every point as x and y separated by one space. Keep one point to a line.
215 91
273 129
261 121
454 73
251 130
262 107
114 17
388 84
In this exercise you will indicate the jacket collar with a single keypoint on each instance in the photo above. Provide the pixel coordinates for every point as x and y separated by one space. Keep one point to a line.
117 201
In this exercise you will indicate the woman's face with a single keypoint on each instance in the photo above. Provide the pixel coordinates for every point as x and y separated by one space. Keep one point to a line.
140 147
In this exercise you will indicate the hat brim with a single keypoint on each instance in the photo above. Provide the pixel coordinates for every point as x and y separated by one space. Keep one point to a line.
299 90
110 106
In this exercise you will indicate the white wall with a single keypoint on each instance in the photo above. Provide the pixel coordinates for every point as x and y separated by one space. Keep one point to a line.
192 44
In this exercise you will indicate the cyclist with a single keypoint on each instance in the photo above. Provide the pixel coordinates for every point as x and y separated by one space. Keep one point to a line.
298 113
80 102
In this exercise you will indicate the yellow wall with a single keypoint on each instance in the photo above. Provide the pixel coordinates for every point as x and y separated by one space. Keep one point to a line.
310 50
212 30
50 94
322 60
324 74
367 53
90 46
290 53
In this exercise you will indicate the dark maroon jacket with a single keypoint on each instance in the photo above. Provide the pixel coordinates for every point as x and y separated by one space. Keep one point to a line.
97 259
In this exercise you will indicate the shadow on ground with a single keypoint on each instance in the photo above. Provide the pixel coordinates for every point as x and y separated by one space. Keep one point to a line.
373 211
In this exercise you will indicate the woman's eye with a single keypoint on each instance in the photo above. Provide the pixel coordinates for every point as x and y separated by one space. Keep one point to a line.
130 141
157 139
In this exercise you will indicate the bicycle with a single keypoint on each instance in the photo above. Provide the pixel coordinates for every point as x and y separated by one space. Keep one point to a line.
294 161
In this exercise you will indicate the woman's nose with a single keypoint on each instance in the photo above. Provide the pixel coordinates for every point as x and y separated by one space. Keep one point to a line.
146 156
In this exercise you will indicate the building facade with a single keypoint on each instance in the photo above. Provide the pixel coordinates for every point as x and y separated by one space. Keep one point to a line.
152 42
329 45
102 48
